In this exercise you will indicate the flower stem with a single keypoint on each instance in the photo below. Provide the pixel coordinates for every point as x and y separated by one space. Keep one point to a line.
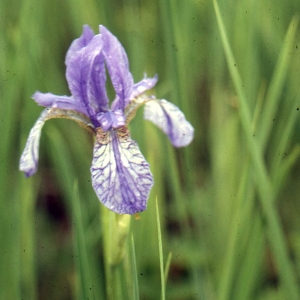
115 232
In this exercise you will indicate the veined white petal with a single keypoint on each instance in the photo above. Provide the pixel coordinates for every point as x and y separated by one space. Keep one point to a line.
121 176
170 119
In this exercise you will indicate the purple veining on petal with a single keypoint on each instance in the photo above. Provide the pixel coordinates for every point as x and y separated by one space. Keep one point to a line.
121 176
144 85
30 156
170 119
61 102
78 44
117 64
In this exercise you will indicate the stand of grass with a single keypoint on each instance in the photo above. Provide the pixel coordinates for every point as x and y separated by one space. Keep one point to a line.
275 231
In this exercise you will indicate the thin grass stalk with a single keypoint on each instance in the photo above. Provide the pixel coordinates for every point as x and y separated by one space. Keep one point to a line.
284 169
248 276
81 256
274 229
285 136
161 257
27 207
229 266
136 292
167 268
276 84
242 210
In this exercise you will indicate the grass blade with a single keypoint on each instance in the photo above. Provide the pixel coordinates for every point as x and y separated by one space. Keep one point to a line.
136 292
167 268
274 231
81 255
161 258
276 84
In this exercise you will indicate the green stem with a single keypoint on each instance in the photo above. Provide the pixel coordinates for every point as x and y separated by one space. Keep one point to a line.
161 257
115 232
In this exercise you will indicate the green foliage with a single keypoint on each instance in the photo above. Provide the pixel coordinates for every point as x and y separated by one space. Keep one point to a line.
228 203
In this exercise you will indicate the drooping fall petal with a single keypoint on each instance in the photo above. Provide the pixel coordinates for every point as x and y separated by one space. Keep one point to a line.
171 120
121 176
30 156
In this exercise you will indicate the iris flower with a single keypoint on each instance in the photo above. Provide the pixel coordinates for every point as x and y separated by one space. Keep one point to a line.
121 176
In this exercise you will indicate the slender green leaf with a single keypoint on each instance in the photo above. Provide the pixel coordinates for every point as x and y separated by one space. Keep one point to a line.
161 257
134 271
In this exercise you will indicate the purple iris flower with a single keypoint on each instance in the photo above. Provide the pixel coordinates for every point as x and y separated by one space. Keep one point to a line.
121 176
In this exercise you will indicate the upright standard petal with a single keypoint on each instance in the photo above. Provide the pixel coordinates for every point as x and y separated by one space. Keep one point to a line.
170 119
117 64
78 44
86 77
62 102
121 176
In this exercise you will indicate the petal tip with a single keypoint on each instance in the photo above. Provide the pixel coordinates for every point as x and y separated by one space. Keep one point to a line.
28 167
171 120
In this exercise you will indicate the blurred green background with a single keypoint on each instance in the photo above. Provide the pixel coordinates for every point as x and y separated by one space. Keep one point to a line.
229 202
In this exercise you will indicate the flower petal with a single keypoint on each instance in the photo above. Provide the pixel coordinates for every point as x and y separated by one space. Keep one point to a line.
121 176
133 106
86 77
117 64
144 85
78 44
170 119
30 156
62 102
